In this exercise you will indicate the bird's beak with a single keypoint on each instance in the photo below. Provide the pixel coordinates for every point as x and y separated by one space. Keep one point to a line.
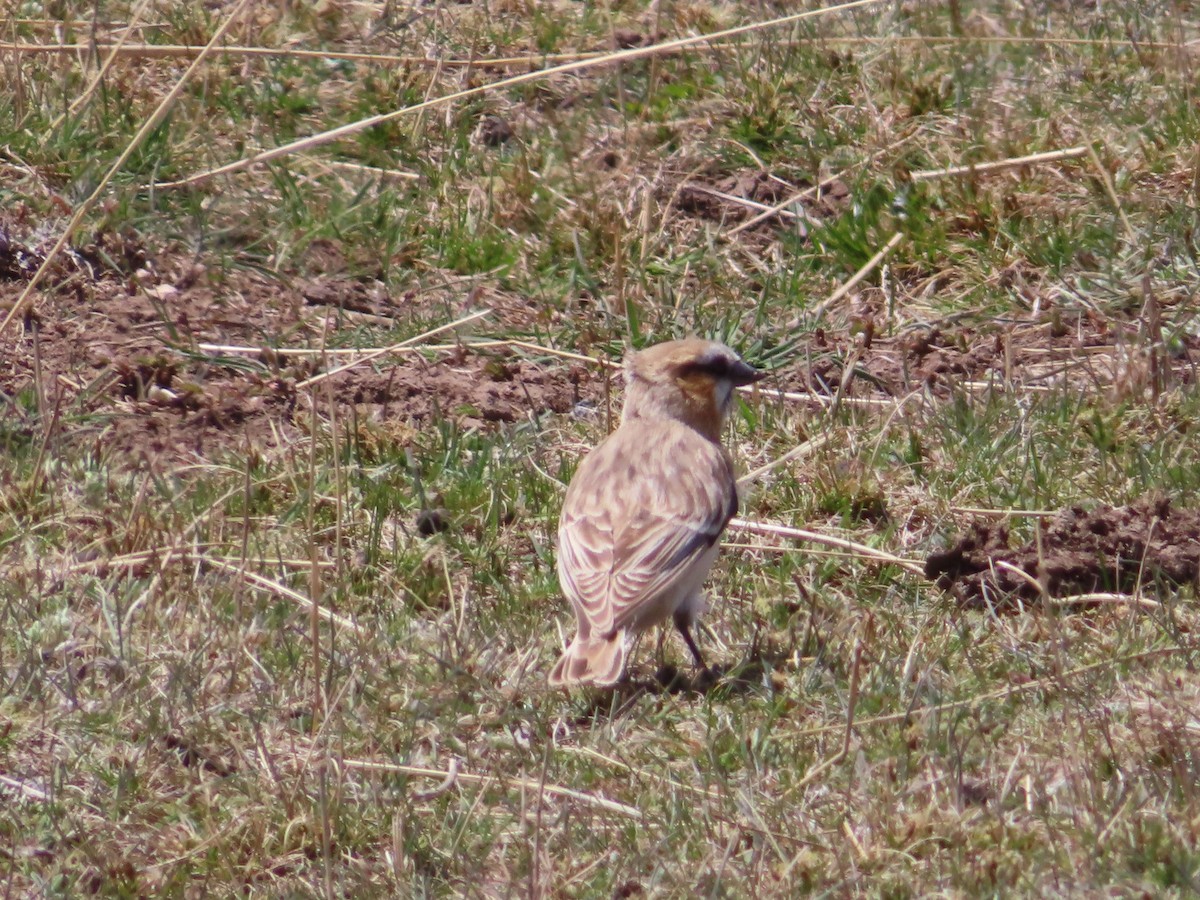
741 374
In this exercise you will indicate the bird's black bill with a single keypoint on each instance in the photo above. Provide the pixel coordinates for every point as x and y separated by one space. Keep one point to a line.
741 374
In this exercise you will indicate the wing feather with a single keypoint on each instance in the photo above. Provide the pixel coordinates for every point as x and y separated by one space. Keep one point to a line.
642 512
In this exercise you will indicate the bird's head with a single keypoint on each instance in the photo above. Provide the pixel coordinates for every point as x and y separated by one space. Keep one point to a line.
691 380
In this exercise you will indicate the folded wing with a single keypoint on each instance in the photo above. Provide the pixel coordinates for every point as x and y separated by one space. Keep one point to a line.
636 522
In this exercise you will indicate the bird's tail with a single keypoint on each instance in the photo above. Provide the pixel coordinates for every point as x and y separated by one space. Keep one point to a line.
593 661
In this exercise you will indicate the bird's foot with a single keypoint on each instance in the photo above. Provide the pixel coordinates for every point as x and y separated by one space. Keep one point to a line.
672 681
706 679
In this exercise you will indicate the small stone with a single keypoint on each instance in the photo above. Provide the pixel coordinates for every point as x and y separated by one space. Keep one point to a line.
162 291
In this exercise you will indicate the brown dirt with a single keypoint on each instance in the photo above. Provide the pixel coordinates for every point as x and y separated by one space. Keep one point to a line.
1082 551
702 198
473 391
119 352
942 360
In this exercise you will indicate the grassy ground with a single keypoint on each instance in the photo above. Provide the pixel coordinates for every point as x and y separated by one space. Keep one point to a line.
178 717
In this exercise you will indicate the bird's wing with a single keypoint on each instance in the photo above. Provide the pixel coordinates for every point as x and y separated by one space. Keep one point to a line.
643 508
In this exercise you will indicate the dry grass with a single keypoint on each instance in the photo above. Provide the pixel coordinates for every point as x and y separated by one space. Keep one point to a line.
272 628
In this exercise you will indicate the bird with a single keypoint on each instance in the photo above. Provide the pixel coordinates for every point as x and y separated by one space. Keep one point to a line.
643 515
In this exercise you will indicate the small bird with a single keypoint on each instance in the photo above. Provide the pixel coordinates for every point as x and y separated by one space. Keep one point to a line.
644 513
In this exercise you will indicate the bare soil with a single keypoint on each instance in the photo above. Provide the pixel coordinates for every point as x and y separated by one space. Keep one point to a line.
943 360
122 353
715 197
1082 551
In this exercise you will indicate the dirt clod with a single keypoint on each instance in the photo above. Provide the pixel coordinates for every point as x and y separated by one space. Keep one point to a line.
432 521
624 38
494 131
1082 551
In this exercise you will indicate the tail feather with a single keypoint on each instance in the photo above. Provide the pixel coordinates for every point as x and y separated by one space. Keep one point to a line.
598 661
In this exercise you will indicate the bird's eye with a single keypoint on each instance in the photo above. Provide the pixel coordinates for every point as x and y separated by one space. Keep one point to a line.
716 366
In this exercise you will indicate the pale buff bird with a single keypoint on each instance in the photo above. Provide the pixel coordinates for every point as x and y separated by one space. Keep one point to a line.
644 513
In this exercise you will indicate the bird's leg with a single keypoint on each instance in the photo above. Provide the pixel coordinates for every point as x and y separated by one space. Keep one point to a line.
658 647
684 627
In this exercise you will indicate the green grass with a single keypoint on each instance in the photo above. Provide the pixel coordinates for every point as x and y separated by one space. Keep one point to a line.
174 721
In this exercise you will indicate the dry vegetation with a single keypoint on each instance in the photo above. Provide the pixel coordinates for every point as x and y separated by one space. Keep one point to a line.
265 630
